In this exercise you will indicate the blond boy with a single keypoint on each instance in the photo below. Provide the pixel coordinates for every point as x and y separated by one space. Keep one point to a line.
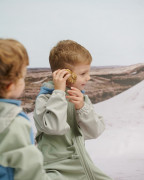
19 158
65 117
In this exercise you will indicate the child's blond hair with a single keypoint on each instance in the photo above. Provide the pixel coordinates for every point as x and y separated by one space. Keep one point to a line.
13 57
67 54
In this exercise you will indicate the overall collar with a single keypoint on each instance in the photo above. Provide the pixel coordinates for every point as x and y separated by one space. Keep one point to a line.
11 101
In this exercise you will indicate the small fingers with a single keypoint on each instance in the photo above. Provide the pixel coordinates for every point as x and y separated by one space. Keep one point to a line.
75 92
77 101
73 98
61 73
55 72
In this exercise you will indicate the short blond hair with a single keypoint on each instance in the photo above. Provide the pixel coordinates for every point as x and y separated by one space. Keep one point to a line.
13 57
68 53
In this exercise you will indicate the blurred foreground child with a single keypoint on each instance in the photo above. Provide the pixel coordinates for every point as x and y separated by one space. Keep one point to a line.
19 158
65 117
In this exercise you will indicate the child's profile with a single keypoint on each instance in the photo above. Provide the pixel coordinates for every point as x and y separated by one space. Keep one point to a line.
64 116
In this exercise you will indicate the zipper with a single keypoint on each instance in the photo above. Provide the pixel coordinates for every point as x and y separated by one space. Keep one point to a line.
79 148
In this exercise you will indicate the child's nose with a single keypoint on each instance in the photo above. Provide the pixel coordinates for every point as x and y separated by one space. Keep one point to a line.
88 78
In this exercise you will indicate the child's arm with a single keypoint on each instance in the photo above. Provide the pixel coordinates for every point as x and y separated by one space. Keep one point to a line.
51 110
50 113
17 152
91 124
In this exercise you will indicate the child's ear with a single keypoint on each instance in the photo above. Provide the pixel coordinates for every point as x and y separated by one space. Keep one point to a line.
10 87
72 79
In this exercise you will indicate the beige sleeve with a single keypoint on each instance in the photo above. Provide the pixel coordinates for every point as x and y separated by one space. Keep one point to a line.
17 152
91 124
50 113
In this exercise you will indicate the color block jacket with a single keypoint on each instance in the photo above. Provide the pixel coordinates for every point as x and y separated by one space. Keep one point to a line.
61 133
19 158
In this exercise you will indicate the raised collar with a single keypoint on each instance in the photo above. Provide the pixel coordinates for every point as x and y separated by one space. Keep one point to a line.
11 101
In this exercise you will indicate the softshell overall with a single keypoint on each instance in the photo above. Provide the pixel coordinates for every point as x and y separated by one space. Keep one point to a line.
61 134
19 158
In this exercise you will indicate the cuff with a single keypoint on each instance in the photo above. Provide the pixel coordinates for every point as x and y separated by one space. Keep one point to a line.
59 92
84 109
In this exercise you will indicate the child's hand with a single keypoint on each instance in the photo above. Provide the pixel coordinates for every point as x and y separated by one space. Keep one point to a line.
59 78
76 97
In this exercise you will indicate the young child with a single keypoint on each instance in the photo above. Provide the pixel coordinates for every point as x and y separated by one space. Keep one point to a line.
19 158
64 116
